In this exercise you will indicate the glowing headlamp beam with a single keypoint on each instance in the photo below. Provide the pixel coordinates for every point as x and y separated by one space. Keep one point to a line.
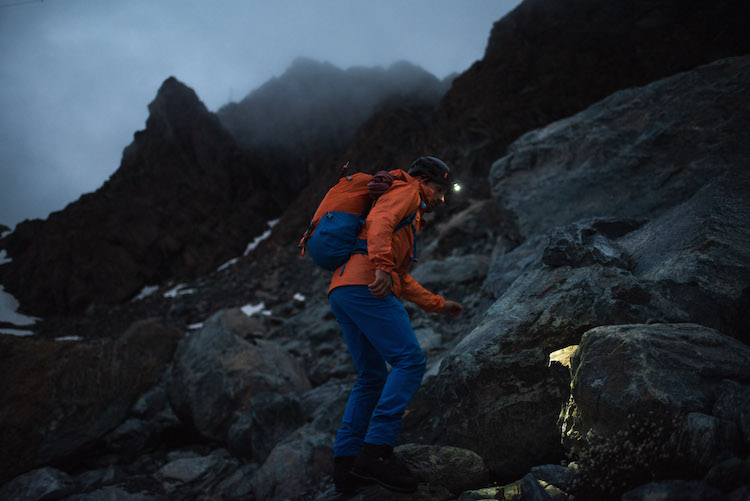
456 187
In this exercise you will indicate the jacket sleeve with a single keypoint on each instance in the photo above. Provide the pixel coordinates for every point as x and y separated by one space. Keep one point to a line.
385 215
414 292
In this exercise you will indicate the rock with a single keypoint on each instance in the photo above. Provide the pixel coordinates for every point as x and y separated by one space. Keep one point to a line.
733 404
486 493
452 270
136 435
217 373
93 479
296 467
697 253
729 475
315 337
272 417
498 394
428 338
554 474
641 403
533 489
455 469
644 150
740 494
324 406
471 231
582 245
706 440
57 398
675 490
43 484
117 493
238 486
507 267
627 369
200 472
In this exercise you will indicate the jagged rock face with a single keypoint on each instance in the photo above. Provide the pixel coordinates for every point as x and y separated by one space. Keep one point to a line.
549 59
634 154
184 200
58 397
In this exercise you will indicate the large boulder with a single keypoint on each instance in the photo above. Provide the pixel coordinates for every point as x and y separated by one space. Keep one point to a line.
57 397
499 395
631 369
634 154
217 373
454 468
657 396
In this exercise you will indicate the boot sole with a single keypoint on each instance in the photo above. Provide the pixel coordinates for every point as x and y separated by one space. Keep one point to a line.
391 487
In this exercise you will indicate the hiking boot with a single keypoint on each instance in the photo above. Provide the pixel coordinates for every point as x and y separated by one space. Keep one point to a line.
345 482
377 463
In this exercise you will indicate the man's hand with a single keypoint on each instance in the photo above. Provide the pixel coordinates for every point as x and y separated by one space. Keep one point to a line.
382 284
452 309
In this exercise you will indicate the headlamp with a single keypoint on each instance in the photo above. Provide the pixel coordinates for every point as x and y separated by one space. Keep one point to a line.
456 187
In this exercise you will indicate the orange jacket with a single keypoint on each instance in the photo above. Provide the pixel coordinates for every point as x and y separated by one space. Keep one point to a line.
389 251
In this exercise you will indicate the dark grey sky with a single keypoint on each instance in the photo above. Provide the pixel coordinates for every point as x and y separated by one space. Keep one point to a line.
76 76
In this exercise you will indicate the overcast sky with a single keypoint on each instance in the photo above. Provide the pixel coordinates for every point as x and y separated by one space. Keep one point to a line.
76 76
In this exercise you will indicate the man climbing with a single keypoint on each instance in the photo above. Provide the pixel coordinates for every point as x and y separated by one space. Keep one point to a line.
364 298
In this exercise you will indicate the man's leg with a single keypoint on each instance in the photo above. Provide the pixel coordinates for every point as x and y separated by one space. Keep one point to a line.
385 324
372 374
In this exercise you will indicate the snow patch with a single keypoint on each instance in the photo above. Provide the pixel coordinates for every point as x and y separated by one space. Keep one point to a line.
252 245
145 292
192 327
4 257
178 290
299 297
9 310
68 338
252 309
227 264
16 332
5 233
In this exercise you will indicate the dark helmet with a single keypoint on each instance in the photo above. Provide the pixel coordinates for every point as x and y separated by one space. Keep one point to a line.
433 169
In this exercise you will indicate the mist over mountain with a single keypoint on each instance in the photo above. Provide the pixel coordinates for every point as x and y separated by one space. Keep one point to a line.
312 111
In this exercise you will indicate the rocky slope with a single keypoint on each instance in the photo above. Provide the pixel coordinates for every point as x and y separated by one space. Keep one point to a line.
603 353
604 356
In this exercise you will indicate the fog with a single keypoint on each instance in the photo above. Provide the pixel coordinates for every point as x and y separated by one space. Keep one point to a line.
76 76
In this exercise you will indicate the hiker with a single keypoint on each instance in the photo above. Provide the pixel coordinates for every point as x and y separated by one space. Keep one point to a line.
364 296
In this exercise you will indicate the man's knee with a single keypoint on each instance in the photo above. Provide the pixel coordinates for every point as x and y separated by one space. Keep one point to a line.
413 361
371 378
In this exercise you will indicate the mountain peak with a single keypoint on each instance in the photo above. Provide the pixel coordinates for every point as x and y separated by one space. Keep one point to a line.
175 99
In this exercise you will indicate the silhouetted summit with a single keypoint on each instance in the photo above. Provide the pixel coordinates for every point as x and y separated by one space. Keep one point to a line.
185 199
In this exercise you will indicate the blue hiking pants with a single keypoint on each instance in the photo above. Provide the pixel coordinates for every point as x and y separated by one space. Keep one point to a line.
376 331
